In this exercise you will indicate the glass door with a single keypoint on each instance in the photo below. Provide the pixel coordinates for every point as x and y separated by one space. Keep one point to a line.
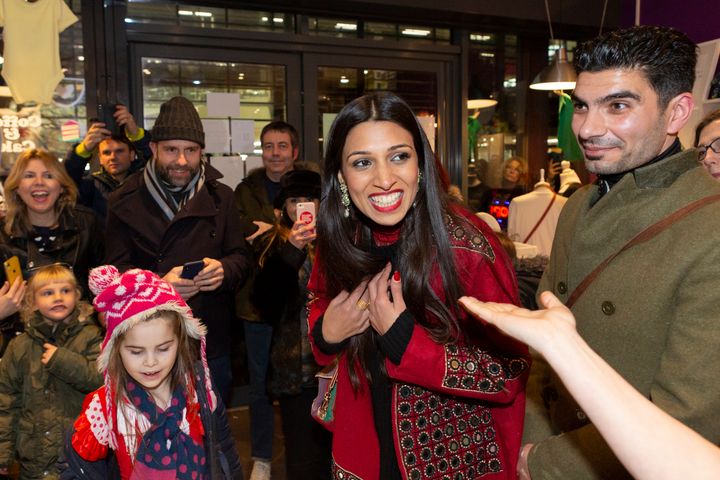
332 81
253 90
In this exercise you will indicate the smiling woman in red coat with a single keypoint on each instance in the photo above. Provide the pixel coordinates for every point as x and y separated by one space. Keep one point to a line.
423 390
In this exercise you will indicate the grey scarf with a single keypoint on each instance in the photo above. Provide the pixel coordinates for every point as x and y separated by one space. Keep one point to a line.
165 194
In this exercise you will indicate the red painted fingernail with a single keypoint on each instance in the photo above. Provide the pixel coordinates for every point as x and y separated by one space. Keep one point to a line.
396 276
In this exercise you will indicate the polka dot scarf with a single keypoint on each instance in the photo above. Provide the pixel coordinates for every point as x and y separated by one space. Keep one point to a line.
166 452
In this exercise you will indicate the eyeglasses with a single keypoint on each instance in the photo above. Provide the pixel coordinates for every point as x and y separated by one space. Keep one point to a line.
714 146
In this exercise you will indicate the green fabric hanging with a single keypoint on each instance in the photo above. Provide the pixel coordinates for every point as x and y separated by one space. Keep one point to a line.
566 138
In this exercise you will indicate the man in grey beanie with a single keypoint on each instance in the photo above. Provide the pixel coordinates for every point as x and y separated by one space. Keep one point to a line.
177 212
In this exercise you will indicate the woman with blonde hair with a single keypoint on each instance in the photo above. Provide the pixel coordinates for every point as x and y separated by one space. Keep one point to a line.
44 225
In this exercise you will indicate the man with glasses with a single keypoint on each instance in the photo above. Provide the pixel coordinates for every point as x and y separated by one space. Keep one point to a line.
177 212
652 312
707 141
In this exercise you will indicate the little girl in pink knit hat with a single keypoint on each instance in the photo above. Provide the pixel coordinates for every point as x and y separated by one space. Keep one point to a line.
156 416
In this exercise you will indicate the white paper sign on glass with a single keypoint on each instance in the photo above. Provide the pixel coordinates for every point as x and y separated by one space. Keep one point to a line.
223 104
217 137
243 135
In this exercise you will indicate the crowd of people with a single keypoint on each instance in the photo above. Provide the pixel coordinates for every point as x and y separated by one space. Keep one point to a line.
401 299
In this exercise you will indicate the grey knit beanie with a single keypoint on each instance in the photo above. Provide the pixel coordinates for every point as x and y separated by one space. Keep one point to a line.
178 120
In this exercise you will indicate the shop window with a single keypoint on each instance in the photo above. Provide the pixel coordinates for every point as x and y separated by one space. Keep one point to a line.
333 27
31 125
175 13
339 85
260 88
492 130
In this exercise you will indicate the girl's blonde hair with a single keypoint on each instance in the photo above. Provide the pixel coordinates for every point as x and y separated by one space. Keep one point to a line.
17 215
54 273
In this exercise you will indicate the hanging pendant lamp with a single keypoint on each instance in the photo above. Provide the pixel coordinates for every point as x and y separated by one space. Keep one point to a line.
559 75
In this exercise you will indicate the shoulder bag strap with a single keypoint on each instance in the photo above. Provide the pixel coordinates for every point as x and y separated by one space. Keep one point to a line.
552 200
641 237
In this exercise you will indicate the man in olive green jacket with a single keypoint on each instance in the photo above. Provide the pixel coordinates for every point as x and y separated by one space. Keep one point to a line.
654 313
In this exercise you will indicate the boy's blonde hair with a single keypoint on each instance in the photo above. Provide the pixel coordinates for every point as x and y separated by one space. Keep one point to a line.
54 273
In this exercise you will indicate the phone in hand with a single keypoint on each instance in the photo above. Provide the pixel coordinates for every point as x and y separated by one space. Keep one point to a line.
191 269
306 213
106 114
12 269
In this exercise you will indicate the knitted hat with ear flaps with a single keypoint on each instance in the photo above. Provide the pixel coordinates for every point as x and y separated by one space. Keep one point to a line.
178 120
133 297
129 299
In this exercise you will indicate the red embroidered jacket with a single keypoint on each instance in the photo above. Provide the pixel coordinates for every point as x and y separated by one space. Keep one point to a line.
457 409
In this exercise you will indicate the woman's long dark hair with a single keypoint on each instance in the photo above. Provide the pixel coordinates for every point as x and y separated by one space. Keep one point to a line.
344 243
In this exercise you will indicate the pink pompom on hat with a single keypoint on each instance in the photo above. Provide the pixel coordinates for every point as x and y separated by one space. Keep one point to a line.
131 298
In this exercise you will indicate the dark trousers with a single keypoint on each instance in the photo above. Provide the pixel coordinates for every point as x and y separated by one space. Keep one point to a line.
262 416
307 443
221 373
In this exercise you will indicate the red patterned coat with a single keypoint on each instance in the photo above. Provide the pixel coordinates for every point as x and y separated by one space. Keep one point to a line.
457 409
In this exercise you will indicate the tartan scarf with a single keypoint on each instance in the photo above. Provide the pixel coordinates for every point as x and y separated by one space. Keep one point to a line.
164 194
165 451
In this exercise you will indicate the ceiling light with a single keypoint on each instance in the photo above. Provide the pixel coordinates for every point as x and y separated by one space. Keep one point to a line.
203 14
185 12
480 98
559 75
196 82
416 32
481 103
345 26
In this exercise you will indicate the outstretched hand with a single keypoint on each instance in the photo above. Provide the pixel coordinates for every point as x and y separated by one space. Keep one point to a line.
536 328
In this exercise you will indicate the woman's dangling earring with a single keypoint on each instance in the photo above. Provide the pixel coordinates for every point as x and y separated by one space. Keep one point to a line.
345 198
419 177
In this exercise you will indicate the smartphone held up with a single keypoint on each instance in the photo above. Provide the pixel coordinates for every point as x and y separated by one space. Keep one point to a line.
306 213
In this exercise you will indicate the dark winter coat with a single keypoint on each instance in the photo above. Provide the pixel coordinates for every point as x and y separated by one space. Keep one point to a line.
80 245
252 203
279 294
221 454
139 235
39 402
94 188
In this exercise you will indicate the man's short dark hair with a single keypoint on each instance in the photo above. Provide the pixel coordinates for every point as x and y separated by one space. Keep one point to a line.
120 139
665 55
280 126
